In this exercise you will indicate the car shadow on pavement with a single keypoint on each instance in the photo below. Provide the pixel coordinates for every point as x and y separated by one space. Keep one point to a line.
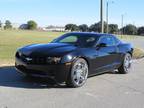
9 77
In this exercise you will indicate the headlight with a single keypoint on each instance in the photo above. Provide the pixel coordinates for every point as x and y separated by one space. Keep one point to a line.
18 54
53 59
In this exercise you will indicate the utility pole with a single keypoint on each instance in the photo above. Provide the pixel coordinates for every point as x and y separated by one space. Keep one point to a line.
101 16
122 21
107 16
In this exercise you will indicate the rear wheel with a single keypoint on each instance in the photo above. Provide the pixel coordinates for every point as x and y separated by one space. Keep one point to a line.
78 74
126 65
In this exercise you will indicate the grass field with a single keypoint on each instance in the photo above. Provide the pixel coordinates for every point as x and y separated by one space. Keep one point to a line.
11 40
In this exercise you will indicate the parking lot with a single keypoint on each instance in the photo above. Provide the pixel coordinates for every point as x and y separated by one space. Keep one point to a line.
103 91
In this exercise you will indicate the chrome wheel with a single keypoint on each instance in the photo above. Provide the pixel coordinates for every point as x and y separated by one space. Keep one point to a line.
127 62
79 72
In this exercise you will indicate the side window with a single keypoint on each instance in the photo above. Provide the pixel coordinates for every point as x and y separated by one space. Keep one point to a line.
116 41
108 40
69 39
90 41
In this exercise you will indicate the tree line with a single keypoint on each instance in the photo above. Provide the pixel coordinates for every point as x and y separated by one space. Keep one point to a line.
129 29
113 28
30 25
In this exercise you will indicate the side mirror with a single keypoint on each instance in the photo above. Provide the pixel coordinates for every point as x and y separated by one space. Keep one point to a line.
101 45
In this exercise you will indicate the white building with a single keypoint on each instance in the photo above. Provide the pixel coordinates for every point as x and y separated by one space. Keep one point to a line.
54 28
15 26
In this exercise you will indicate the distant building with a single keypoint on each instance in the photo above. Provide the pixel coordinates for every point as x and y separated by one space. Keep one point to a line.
54 28
23 26
15 26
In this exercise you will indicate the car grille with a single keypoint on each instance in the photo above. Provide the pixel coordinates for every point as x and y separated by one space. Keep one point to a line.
38 61
32 60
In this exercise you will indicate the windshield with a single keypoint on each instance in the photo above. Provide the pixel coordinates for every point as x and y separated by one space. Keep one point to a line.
82 40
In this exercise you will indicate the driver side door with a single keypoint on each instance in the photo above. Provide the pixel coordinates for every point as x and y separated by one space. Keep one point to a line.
106 54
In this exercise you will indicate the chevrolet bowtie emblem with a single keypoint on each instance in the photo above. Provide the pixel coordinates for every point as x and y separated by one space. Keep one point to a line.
29 59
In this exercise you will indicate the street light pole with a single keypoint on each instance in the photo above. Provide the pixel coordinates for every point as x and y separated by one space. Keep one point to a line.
101 16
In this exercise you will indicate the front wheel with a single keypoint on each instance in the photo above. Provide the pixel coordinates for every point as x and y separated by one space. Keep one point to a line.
78 74
126 65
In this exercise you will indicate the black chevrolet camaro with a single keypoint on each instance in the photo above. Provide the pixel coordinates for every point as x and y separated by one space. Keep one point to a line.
74 57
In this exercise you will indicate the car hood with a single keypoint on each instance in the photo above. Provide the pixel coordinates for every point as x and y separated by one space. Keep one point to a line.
51 49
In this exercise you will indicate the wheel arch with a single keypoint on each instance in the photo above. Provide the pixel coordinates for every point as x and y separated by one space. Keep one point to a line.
80 57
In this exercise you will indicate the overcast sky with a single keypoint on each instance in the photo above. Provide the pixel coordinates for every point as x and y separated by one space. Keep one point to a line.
61 12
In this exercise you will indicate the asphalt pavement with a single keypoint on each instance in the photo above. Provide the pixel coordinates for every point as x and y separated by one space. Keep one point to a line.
109 90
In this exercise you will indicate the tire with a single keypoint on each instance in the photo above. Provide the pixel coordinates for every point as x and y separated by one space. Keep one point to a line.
79 74
126 65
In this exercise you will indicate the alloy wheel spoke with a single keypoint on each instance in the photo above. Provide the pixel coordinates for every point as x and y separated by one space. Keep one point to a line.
80 73
127 63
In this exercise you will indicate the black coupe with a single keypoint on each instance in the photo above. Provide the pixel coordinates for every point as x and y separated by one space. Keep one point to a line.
74 57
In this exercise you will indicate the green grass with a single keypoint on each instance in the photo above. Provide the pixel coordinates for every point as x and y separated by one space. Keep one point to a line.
11 40
127 37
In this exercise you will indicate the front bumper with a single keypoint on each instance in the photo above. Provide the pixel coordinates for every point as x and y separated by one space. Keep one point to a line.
59 72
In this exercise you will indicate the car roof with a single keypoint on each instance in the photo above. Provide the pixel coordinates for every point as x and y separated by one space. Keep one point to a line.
90 33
